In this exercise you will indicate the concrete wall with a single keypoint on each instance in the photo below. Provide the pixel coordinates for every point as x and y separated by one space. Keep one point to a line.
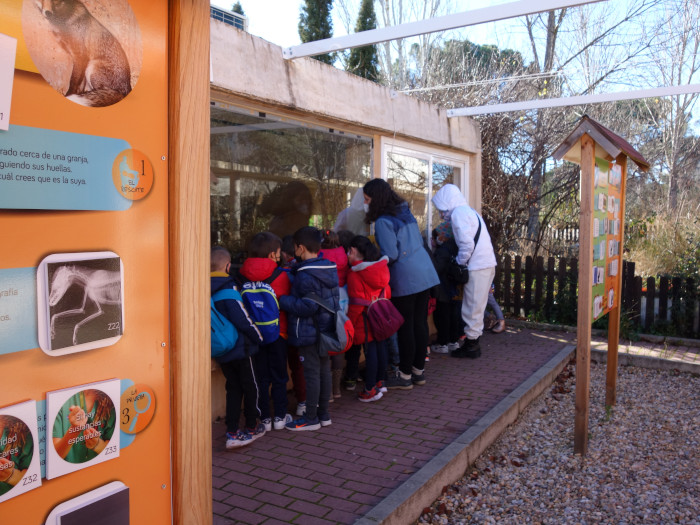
251 67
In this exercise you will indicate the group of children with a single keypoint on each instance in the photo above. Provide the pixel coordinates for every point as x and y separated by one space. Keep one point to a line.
307 270
306 273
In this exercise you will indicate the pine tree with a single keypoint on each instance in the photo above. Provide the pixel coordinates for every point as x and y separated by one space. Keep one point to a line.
238 8
315 24
363 61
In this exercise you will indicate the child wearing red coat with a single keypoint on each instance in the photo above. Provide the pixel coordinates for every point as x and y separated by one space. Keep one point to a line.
368 278
271 361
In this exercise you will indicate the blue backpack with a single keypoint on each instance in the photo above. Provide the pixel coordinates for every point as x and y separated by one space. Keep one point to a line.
261 304
223 334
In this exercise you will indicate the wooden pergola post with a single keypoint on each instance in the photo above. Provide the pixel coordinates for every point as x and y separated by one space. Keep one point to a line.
189 93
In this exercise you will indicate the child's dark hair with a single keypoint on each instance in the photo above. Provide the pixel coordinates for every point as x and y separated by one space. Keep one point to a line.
330 239
344 238
263 244
288 245
308 237
367 248
384 200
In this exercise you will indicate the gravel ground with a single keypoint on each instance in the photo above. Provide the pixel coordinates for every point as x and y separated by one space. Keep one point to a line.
642 465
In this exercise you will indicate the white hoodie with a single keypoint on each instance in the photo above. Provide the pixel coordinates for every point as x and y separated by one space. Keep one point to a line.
465 223
353 217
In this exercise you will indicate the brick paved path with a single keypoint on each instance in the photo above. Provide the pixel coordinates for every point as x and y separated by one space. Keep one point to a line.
338 473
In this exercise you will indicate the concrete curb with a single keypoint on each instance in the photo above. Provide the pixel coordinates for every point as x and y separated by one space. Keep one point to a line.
645 361
407 502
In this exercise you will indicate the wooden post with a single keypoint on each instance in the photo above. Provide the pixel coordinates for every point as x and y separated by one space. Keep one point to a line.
189 94
585 293
614 314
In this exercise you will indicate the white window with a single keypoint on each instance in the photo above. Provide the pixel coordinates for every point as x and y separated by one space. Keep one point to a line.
416 172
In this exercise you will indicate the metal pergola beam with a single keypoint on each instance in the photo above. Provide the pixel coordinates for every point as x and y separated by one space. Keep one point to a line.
431 25
574 101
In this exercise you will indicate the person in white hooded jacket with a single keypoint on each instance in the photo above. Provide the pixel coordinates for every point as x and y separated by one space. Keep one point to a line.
479 259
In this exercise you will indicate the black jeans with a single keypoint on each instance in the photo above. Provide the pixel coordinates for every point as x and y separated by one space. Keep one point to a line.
271 369
240 383
448 321
413 334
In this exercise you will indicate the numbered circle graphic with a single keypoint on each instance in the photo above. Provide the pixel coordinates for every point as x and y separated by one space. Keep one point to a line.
90 51
138 405
83 426
16 452
132 174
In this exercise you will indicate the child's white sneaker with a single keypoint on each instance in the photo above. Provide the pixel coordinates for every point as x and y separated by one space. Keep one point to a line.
301 408
453 346
280 422
268 424
439 349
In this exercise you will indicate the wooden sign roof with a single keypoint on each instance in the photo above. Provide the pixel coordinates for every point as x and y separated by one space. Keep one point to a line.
607 143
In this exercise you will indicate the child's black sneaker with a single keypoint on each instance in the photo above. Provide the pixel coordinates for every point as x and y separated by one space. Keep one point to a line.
399 382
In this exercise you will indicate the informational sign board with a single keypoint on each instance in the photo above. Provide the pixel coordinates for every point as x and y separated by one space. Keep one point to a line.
607 236
84 318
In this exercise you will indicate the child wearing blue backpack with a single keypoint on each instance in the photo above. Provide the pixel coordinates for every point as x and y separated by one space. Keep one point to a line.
237 363
263 283
317 278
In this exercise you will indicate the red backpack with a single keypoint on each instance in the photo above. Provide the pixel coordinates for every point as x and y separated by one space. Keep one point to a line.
382 317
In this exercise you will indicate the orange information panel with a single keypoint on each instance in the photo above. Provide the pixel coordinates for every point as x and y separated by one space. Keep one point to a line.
607 236
84 348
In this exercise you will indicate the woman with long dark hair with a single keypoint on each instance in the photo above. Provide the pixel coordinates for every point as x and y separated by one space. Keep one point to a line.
412 276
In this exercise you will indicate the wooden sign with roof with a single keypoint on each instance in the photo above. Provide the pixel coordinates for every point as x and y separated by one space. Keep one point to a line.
602 156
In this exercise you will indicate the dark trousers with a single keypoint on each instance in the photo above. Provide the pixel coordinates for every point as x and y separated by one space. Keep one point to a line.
352 362
271 369
448 321
240 385
376 358
297 369
317 373
413 334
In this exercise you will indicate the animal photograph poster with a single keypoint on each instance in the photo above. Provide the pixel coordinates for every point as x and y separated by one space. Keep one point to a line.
90 51
81 426
20 463
80 301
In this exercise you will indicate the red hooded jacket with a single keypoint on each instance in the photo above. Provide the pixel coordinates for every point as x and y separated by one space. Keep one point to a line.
366 280
259 269
340 258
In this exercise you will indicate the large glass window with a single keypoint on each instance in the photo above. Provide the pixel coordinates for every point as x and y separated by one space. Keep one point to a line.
416 173
274 174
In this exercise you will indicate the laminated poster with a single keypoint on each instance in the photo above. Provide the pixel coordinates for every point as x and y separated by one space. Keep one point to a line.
20 463
106 505
80 301
82 426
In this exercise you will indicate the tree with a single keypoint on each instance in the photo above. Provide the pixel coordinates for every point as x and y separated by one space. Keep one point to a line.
315 23
238 8
363 61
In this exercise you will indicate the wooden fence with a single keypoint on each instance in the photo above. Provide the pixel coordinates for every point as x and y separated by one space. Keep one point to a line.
547 291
